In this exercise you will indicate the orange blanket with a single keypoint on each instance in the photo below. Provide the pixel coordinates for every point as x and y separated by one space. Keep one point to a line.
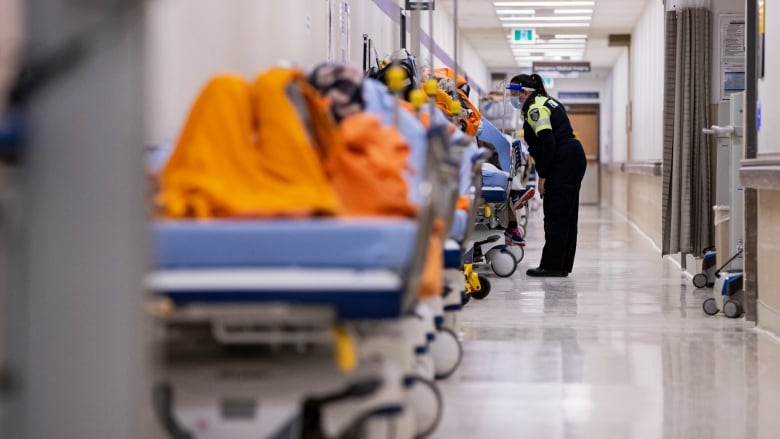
245 151
223 167
368 173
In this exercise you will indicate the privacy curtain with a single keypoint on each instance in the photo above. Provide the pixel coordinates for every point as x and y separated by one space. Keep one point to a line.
687 175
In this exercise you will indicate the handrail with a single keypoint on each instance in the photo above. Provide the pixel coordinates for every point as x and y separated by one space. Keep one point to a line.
762 172
648 167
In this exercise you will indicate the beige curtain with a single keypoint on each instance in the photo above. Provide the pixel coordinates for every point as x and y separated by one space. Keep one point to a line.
687 193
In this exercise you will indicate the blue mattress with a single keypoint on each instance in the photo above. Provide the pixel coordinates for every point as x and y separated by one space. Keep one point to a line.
493 177
310 243
494 184
491 134
349 305
453 255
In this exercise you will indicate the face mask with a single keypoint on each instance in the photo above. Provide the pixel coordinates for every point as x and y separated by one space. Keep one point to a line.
479 128
516 102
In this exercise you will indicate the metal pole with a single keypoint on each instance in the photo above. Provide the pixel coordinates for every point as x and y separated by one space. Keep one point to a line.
414 32
78 332
455 40
751 149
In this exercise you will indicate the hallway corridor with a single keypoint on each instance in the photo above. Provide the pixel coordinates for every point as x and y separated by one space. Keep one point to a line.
620 349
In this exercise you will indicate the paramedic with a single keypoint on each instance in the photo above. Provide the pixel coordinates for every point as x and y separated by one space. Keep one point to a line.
560 163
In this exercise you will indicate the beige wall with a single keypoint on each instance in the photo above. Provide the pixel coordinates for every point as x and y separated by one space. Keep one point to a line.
189 41
636 196
644 204
769 249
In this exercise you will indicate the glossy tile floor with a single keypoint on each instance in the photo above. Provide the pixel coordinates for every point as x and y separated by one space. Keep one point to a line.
620 349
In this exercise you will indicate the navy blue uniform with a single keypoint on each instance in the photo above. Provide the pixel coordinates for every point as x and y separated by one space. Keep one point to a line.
561 161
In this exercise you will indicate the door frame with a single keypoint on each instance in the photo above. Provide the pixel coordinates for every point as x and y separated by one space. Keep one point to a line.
590 108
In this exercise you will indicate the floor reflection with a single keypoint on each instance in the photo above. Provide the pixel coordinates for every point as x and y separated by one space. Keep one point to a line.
619 350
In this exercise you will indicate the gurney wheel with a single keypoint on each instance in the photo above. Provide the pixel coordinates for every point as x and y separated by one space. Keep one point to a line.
464 298
710 307
425 401
481 294
518 251
447 353
502 261
700 280
732 309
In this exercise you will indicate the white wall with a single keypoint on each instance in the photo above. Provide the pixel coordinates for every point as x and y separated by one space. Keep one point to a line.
618 131
768 87
188 41
468 58
647 84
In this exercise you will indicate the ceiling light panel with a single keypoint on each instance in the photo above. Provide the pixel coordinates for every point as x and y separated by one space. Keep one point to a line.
542 4
546 25
559 19
573 11
516 11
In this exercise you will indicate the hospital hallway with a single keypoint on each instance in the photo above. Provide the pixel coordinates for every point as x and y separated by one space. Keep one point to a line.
620 349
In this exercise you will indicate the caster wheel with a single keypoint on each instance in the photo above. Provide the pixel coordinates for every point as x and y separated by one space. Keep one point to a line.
518 251
710 307
502 261
425 401
522 230
481 294
732 309
447 353
700 280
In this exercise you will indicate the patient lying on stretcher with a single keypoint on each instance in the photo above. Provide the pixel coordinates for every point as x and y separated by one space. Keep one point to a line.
272 148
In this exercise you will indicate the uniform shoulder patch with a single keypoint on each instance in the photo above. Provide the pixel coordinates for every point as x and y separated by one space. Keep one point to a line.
534 114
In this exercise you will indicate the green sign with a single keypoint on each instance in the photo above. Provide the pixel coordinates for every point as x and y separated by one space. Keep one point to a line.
523 35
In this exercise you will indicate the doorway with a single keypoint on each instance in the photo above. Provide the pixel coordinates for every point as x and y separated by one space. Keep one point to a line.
585 122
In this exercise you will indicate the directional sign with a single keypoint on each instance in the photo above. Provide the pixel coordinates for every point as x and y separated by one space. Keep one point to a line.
523 35
561 66
420 5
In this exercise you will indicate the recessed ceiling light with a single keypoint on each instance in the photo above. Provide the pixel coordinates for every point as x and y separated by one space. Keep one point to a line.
543 4
574 36
543 25
547 46
573 11
516 11
568 18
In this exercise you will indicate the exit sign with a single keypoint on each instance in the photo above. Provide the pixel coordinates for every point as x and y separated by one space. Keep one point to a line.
523 35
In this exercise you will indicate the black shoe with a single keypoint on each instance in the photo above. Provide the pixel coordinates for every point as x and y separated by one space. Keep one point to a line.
542 272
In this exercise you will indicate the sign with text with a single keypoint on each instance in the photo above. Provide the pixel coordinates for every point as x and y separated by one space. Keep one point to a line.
572 95
561 66
420 5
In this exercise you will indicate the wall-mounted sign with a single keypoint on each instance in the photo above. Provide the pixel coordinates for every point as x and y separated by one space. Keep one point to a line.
420 5
732 54
523 35
571 95
561 66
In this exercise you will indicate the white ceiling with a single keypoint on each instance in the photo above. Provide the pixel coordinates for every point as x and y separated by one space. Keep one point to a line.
481 26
